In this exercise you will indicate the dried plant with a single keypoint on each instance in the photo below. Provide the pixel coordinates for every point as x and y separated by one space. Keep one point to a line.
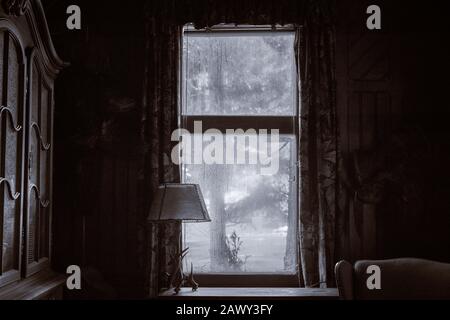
233 247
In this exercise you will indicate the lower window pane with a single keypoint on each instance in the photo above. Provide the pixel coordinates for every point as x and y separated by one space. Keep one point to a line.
254 216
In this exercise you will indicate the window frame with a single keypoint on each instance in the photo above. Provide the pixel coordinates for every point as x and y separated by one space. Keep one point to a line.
288 124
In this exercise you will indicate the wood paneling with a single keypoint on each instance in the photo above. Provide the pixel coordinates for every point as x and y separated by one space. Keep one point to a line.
110 226
369 110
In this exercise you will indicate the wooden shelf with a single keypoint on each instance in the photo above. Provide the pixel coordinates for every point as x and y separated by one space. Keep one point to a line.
41 286
254 293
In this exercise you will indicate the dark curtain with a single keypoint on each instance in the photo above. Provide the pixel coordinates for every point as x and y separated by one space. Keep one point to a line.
159 119
206 13
164 20
318 145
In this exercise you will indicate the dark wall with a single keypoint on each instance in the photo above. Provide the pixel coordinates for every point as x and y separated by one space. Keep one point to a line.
97 133
393 117
392 111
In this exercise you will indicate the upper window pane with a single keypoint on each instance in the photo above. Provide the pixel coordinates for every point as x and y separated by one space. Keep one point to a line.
239 73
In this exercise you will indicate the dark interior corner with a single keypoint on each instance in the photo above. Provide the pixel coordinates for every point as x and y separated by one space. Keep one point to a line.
392 179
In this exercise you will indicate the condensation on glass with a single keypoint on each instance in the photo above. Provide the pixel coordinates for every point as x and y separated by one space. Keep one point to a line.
254 216
239 73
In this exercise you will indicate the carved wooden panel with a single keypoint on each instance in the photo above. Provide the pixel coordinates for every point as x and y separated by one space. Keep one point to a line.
11 155
15 7
39 167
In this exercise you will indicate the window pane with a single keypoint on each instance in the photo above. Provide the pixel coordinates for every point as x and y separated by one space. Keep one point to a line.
239 73
253 227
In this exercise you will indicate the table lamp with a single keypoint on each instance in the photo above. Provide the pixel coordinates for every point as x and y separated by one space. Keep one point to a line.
179 202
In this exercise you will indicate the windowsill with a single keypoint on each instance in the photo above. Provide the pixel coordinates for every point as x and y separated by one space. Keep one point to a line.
254 293
247 280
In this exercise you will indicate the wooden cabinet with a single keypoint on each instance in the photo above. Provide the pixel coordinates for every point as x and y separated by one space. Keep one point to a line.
28 68
38 176
12 161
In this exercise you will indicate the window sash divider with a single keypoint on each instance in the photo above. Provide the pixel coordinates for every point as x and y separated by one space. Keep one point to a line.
285 124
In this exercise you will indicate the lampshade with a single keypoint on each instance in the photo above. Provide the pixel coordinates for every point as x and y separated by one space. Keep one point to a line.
179 201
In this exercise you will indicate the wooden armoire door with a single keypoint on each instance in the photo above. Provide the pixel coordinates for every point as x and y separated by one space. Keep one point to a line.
12 93
39 119
28 68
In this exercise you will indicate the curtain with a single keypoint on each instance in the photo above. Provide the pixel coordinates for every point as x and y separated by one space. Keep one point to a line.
164 20
159 119
318 145
206 13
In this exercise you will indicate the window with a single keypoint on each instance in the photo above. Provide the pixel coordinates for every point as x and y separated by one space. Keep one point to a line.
243 83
